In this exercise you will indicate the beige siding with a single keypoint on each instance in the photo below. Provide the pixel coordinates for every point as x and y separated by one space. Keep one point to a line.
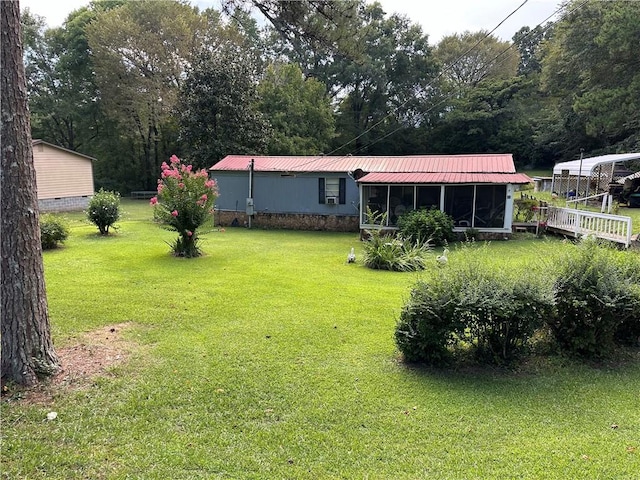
61 174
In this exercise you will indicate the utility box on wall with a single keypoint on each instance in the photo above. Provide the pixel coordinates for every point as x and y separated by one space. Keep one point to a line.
249 209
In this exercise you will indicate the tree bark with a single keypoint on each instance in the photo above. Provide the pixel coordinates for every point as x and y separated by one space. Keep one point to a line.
27 349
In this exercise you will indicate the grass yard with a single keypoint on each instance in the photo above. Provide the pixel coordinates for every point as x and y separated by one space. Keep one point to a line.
271 357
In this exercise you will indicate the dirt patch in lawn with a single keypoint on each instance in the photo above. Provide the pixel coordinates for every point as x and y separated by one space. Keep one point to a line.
86 357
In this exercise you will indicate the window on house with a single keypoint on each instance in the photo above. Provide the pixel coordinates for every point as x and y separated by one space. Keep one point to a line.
332 190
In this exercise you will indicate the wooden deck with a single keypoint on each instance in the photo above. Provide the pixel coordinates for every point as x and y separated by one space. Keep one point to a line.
579 223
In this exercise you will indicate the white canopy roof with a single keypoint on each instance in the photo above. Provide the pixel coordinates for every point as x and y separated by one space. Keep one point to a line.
586 166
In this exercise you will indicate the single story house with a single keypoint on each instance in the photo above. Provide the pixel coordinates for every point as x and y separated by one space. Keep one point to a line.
336 193
64 178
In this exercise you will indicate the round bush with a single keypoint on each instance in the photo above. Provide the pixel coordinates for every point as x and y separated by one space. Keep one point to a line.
53 231
425 225
104 210
427 326
593 298
473 306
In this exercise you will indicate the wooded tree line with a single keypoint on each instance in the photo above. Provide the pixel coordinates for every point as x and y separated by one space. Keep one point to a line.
133 82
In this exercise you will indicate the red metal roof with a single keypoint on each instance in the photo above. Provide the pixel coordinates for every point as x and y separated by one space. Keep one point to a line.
468 163
445 177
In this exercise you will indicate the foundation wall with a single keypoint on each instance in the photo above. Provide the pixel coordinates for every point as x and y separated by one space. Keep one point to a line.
289 221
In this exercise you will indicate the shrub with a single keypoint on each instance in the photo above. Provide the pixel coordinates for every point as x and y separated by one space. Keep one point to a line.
184 202
384 251
104 210
594 298
53 231
501 312
525 209
426 330
473 305
426 225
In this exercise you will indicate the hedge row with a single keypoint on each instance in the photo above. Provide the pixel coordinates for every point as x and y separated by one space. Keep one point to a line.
589 303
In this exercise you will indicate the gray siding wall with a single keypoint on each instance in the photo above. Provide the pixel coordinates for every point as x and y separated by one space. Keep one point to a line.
275 193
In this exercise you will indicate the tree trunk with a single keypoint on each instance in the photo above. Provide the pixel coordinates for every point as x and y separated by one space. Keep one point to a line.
27 349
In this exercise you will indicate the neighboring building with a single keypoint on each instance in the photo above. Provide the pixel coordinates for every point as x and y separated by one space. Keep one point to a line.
327 193
64 178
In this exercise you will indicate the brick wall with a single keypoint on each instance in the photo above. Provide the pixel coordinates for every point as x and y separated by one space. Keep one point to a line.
334 223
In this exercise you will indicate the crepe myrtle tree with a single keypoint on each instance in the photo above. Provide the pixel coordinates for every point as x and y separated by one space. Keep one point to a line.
185 200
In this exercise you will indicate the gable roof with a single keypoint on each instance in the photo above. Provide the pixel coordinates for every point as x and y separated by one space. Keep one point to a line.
42 142
466 168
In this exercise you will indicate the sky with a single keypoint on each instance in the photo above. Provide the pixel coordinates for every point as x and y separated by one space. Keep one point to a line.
438 18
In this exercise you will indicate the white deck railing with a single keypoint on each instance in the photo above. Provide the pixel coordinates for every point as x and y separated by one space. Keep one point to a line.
615 228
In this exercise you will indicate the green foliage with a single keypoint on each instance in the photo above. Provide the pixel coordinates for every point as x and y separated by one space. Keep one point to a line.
501 311
390 60
470 58
591 71
184 202
426 331
104 210
139 89
525 209
472 304
53 231
218 106
298 110
433 226
594 298
385 251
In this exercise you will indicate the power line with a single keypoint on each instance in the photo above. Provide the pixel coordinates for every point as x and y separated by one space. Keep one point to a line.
431 84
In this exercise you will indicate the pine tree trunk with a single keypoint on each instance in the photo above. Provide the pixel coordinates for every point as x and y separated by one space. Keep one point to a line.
27 349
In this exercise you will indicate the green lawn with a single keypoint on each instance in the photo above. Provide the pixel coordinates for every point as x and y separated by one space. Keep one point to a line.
271 357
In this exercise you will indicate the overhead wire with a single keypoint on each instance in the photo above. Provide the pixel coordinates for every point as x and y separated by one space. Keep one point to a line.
431 84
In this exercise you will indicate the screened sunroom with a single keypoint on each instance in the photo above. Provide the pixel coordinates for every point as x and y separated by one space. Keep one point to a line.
487 207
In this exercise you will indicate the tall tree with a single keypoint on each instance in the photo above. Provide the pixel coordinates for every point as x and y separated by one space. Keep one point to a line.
528 41
471 57
386 87
591 68
218 108
27 348
60 78
298 110
141 50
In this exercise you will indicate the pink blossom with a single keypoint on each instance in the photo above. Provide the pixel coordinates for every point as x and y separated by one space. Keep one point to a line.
164 166
189 233
160 187
153 200
174 160
174 213
181 185
204 197
210 183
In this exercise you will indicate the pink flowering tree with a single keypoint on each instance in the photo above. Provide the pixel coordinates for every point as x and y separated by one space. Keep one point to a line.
184 202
